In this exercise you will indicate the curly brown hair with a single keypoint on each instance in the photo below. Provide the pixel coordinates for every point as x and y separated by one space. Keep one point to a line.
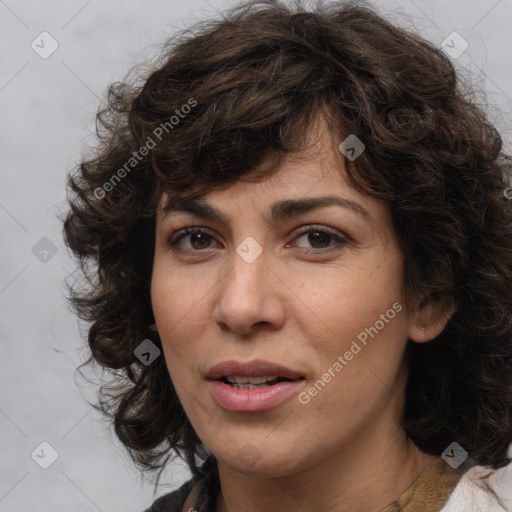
229 93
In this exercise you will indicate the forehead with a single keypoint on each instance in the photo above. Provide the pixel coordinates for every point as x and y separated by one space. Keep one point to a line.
312 177
295 176
299 171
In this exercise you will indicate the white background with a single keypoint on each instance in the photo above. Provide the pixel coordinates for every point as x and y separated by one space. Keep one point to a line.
48 108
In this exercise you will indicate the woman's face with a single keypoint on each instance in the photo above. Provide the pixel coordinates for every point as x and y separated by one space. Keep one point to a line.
259 297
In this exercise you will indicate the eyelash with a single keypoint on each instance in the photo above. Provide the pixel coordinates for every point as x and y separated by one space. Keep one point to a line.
173 241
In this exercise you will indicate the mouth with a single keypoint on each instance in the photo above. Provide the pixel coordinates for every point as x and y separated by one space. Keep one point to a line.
253 386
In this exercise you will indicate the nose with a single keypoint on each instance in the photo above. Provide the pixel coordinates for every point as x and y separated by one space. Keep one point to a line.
249 297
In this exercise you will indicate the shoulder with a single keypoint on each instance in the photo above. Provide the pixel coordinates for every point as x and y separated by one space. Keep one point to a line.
470 494
173 501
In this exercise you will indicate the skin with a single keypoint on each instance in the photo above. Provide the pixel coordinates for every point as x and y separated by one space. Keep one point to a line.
301 306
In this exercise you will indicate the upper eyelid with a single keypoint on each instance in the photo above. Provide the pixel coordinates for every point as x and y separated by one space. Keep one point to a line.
299 229
178 234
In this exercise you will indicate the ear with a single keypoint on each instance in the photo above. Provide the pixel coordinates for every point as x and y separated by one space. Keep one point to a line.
429 318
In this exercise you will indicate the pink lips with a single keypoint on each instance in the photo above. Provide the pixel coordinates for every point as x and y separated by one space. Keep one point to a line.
257 399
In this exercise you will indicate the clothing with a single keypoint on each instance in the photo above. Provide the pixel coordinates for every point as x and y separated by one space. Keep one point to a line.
469 496
439 488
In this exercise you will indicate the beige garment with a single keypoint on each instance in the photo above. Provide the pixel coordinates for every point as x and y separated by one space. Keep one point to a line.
431 490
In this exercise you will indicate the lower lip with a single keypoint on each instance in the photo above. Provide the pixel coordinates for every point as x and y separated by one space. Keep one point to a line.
253 400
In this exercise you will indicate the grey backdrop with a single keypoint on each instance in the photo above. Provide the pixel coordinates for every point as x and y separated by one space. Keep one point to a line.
48 101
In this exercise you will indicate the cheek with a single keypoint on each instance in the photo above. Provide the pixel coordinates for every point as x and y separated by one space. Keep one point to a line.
181 313
361 313
357 292
177 297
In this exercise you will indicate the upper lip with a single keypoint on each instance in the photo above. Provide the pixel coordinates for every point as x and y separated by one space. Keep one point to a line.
255 368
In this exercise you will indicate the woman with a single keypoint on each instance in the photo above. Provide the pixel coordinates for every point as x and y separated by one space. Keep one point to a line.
303 235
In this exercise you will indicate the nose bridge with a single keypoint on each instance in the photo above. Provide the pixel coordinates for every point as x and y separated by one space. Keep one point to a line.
246 297
246 277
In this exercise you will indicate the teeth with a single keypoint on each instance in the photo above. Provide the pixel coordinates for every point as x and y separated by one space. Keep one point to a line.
249 386
251 380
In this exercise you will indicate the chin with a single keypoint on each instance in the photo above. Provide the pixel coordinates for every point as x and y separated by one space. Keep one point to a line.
252 462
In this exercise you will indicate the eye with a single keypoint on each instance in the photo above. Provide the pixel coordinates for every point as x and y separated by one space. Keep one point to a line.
319 237
199 239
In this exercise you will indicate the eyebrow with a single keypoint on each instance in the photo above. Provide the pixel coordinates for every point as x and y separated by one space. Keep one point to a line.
279 210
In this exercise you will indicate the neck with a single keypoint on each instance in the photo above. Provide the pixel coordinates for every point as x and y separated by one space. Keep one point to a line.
343 488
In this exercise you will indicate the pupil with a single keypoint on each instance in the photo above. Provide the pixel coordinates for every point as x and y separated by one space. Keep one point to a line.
197 237
318 238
